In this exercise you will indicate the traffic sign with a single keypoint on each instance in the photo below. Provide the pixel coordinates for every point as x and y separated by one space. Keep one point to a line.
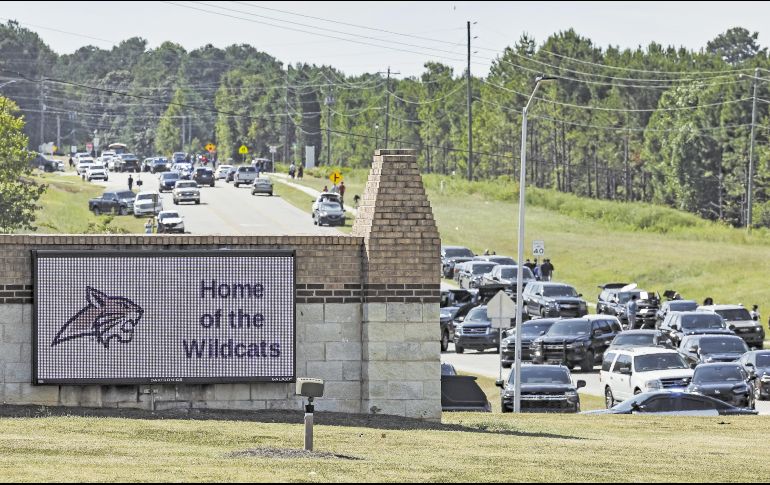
538 248
89 147
273 149
501 309
243 150
211 148
335 177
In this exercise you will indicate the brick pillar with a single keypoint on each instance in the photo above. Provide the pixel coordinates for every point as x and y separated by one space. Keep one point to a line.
401 330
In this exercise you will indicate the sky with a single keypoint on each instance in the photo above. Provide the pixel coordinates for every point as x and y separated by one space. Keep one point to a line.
363 36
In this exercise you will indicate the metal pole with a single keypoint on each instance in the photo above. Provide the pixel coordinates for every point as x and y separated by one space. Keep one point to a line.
387 110
58 131
286 122
309 425
470 109
520 274
750 187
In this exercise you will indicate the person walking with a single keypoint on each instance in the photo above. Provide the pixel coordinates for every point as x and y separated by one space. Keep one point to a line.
72 163
130 182
529 265
631 308
547 270
300 172
292 170
342 195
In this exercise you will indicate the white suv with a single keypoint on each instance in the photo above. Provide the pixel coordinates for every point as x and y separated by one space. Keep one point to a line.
628 372
96 172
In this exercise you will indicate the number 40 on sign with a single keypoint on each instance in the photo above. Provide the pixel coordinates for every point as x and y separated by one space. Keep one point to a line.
538 248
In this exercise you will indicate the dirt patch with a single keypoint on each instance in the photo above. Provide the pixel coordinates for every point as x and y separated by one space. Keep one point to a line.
286 453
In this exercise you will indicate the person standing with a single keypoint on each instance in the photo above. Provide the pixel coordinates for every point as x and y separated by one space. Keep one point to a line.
149 226
631 308
72 163
300 172
292 170
326 189
342 195
755 313
130 182
547 270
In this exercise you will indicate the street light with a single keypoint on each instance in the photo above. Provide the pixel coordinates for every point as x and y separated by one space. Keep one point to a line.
519 273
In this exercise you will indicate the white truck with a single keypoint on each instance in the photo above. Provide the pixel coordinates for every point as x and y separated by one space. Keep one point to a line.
244 176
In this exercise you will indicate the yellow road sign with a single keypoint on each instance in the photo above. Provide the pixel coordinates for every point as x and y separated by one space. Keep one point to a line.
243 150
211 147
335 177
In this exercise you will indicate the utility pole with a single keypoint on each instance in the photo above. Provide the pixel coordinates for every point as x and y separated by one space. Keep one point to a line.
387 109
58 131
286 121
750 184
470 112
42 111
183 138
329 101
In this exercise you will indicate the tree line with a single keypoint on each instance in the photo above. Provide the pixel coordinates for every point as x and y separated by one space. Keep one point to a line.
657 124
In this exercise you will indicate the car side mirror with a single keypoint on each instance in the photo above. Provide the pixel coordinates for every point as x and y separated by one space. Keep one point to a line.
638 407
580 295
542 332
581 384
499 384
597 333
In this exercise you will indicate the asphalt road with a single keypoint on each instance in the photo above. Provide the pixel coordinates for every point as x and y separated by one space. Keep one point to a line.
226 210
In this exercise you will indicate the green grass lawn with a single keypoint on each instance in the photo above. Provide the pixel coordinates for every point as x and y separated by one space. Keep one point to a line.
483 448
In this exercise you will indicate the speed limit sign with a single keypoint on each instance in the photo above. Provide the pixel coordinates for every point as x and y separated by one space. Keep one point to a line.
538 248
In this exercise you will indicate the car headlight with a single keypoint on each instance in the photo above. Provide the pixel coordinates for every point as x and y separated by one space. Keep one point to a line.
653 385
758 329
571 394
324 214
508 395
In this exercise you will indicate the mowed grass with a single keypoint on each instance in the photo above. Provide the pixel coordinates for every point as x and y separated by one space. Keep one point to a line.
499 448
303 201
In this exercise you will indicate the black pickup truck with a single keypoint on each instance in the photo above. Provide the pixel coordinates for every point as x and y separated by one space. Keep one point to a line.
117 202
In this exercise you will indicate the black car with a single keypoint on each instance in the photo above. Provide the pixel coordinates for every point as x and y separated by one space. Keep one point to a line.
680 324
674 306
530 331
707 349
757 365
642 338
159 165
204 176
575 342
127 162
613 301
544 389
113 201
506 275
675 403
457 297
542 299
475 332
727 382
167 181
41 162
450 256
447 318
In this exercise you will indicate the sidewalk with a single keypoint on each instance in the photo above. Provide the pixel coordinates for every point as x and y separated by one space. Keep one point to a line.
284 179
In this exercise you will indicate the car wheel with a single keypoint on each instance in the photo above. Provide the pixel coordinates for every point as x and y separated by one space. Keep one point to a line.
637 391
542 312
97 211
176 202
459 349
503 409
588 362
197 202
271 194
123 211
609 399
236 184
444 341
570 365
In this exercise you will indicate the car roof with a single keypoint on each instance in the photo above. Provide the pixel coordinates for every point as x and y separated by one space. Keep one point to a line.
714 337
722 307
168 212
540 320
601 317
554 283
718 364
644 350
695 313
146 192
641 332
454 247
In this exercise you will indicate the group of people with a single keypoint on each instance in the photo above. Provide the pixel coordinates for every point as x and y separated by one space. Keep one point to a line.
337 189
299 172
544 271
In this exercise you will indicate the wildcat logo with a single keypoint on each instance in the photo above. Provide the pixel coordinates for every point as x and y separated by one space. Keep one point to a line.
105 318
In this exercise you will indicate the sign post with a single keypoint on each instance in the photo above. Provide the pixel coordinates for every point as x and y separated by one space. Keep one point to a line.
502 309
273 150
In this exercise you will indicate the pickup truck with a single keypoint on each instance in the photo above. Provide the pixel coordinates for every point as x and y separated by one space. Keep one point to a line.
118 202
127 162
244 176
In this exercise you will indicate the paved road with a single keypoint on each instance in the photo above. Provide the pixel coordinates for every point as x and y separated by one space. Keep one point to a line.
487 364
226 210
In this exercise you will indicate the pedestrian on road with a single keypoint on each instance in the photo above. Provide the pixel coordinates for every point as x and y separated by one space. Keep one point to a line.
547 270
342 195
256 167
300 172
139 184
631 309
130 182
72 163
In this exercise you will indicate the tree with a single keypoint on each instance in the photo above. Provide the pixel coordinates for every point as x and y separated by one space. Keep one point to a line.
735 46
18 192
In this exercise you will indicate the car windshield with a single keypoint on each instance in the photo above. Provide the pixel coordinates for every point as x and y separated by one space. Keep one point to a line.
705 320
567 291
169 215
331 206
97 167
647 363
186 185
170 176
569 328
247 169
723 373
722 345
542 375
126 195
531 329
735 314
635 340
763 360
482 268
478 315
509 273
458 253
203 171
682 306
147 197
626 296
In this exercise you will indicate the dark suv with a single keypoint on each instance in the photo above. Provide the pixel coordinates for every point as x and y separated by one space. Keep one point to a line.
450 256
707 349
680 324
506 275
577 341
475 332
544 389
613 301
530 331
553 300
167 181
728 382
204 176
674 306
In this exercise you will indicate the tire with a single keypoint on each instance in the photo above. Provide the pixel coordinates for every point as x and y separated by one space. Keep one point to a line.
122 211
271 194
444 341
637 391
197 202
609 399
587 365
97 211
236 184
176 202
542 312
503 408
459 349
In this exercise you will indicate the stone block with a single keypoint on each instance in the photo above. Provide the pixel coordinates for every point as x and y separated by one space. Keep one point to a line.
375 390
430 351
423 371
328 371
11 314
342 390
11 352
19 333
244 405
375 312
310 313
120 394
343 351
351 371
25 393
375 351
26 353
431 313
384 406
87 396
350 332
383 332
265 391
171 405
343 312
295 404
311 351
324 332
422 332
232 392
431 389
427 409
195 392
18 372
405 390
404 312
384 371
338 406
404 351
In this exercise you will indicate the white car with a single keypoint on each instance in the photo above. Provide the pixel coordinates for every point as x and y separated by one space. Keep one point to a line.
328 197
222 171
147 203
170 221
631 371
244 176
83 165
186 191
95 171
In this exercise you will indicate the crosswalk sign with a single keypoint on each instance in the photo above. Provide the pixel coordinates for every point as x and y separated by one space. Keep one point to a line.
243 150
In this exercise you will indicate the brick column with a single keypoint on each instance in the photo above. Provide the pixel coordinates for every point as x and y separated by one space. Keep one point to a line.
401 350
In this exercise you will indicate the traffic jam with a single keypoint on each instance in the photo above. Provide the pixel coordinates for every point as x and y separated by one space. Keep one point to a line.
652 354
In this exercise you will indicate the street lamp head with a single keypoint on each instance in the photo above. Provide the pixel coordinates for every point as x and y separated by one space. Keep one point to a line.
543 77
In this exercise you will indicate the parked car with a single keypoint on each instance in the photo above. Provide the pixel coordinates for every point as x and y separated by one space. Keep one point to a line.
575 342
627 372
544 389
641 338
326 197
329 213
738 319
544 299
530 331
506 260
506 275
680 324
244 176
446 319
95 172
674 403
705 349
473 273
231 174
40 162
757 365
186 191
170 221
116 202
450 256
83 165
728 382
456 297
147 203
204 176
262 185
614 300
127 162
167 181
674 306
222 171
475 332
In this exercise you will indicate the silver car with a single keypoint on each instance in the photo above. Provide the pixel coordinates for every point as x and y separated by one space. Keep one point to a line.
329 213
262 186
147 203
